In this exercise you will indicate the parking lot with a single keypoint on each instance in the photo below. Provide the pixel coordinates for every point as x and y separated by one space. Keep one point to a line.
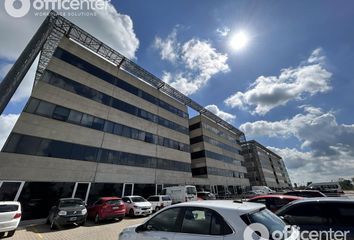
107 230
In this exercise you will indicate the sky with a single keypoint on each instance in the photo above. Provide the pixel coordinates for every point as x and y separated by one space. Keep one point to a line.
289 87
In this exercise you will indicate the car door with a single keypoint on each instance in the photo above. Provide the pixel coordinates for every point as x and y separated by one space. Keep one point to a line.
342 217
202 223
162 226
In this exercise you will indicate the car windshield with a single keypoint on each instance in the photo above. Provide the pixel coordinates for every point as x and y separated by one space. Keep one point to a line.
138 199
268 219
71 203
191 190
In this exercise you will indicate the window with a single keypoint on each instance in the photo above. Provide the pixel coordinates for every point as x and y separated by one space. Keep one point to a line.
118 129
75 117
32 105
104 189
12 142
165 221
28 145
61 113
204 221
307 213
153 199
45 109
60 149
8 190
98 124
144 190
87 120
108 127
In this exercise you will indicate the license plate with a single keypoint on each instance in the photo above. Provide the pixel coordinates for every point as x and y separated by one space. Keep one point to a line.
73 218
114 208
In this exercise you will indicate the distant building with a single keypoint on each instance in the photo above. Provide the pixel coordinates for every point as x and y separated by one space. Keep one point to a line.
216 157
264 167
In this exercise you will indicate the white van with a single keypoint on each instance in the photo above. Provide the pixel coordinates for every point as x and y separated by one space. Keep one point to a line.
264 189
180 194
330 189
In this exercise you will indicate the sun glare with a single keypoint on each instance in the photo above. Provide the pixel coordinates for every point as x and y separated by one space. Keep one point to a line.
239 40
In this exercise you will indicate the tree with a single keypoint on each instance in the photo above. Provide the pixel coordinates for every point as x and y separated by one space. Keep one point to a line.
346 184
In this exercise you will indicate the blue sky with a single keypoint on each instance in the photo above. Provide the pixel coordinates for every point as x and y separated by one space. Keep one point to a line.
290 88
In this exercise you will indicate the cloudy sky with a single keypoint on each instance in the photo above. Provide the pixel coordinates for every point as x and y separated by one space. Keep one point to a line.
286 82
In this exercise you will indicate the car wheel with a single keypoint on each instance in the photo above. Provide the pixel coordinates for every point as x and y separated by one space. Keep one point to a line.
11 233
131 213
157 209
97 218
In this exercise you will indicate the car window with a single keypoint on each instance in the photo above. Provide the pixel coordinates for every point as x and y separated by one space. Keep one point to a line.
166 198
165 221
138 199
114 202
204 221
153 199
342 213
99 202
307 213
125 199
191 190
267 218
71 203
8 208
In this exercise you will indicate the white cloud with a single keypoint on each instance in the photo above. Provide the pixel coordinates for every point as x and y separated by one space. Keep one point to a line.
228 117
7 122
168 47
327 146
268 92
223 32
198 61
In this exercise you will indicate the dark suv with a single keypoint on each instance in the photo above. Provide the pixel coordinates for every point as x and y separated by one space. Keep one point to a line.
67 211
320 214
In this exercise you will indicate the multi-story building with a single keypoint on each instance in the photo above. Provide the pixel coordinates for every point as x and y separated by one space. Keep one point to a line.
264 167
90 129
217 163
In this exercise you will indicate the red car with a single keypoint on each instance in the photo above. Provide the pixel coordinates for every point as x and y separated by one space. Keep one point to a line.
107 208
274 202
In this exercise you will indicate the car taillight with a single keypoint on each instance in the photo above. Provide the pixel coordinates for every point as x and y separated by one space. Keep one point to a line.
17 215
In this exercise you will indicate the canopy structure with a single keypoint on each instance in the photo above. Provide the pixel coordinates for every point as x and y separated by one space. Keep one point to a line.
47 38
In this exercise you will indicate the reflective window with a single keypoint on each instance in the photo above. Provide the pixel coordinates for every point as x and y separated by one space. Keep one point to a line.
165 221
75 117
61 113
45 109
98 190
8 190
144 190
32 105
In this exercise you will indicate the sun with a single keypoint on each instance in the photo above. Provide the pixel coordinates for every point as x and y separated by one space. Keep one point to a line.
239 40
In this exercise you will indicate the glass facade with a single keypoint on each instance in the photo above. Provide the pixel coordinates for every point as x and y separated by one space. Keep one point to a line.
215 143
107 77
90 93
216 156
98 190
8 190
78 118
216 171
30 145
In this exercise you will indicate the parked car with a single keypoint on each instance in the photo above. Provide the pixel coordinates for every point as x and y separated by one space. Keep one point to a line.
251 194
67 211
137 206
159 201
263 189
306 193
10 216
207 220
107 208
206 195
180 194
320 214
274 202
330 189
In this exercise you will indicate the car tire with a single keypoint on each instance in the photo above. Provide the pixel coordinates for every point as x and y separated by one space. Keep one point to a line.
97 218
157 209
11 233
131 213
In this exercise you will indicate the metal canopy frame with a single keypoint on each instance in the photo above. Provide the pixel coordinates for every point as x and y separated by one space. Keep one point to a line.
47 38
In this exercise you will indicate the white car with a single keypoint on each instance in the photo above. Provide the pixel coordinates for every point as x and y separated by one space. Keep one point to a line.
137 206
10 216
159 201
207 220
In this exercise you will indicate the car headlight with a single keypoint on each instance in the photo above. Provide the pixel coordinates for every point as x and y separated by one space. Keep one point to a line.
136 206
84 211
62 213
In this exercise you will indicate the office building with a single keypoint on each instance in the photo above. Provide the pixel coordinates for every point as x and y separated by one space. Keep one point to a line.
216 157
264 167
